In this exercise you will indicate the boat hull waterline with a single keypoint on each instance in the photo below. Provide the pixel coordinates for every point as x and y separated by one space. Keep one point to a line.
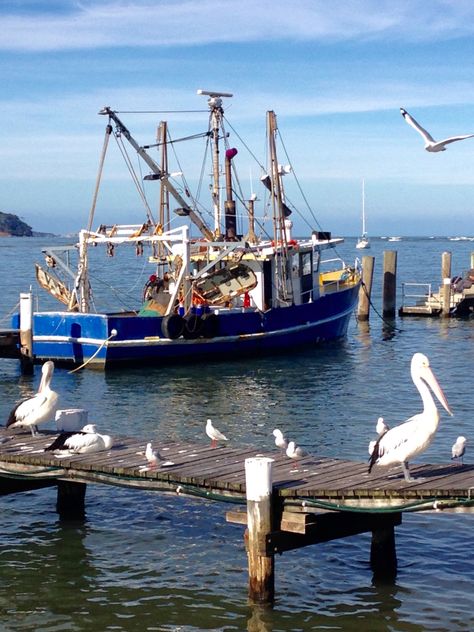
79 338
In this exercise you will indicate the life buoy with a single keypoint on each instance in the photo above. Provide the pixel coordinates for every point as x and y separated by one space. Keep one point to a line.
210 325
193 326
172 326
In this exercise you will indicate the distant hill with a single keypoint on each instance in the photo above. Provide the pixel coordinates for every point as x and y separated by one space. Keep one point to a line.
11 225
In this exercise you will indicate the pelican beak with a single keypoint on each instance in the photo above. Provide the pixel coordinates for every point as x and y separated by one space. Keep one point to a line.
436 388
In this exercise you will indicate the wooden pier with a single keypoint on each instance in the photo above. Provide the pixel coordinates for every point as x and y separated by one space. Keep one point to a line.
285 504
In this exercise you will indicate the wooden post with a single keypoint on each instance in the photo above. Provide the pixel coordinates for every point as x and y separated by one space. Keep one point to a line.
26 332
383 554
389 292
70 503
366 288
446 281
258 481
472 260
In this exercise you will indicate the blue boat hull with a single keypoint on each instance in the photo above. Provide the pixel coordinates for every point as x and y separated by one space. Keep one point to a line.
72 339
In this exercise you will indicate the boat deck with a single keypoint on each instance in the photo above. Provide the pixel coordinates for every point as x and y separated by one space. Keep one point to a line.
204 471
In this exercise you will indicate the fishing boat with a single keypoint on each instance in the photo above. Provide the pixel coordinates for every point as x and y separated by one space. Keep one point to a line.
235 288
363 242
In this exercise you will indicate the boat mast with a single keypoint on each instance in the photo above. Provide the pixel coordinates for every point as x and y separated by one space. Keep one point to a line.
160 174
215 122
363 208
280 213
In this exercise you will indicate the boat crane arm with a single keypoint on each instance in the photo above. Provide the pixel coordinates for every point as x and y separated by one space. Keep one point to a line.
185 208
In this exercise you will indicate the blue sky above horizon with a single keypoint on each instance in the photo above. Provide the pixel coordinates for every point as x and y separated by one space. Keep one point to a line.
336 73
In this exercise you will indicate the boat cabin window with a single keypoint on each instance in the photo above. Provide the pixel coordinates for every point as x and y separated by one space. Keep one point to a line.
306 263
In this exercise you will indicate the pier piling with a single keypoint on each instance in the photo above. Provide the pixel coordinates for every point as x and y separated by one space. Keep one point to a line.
26 333
389 283
258 477
365 291
70 503
446 280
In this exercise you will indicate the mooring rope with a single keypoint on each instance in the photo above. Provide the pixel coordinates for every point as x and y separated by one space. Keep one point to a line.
113 333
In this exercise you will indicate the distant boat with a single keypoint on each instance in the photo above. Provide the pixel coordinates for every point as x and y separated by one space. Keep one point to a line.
394 238
364 241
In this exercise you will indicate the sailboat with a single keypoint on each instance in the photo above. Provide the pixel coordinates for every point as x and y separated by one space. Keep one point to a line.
363 241
236 288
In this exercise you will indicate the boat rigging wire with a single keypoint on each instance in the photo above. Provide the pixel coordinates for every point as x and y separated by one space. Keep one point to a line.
137 182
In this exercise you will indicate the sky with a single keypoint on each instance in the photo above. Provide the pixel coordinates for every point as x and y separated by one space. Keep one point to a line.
336 72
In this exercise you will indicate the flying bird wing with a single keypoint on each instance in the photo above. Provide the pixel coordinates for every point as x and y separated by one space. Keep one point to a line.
411 121
453 139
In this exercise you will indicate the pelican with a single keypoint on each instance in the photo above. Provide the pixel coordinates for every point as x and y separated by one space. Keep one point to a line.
381 427
80 441
295 452
39 408
280 439
431 144
214 434
401 443
459 448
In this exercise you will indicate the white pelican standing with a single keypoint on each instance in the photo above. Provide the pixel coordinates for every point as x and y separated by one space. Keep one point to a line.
80 441
280 439
403 442
214 434
431 144
459 448
41 407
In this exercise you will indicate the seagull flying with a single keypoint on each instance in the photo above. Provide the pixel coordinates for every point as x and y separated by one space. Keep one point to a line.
214 434
280 439
431 144
459 448
39 408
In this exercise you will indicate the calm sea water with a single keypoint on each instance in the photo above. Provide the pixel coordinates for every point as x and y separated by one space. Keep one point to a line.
143 561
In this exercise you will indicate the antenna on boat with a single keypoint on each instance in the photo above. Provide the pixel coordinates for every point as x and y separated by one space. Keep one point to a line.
213 94
215 124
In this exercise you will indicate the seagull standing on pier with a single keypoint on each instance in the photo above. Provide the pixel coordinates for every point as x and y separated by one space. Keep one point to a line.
459 448
154 457
431 144
214 434
280 439
381 427
295 452
80 442
401 443
37 409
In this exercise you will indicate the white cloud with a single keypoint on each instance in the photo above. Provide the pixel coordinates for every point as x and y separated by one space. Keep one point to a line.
95 24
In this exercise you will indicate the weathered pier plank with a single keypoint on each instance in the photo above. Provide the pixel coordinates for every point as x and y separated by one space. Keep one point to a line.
312 500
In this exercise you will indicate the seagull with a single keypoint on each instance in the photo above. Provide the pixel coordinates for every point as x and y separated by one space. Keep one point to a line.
39 408
459 448
80 442
401 443
154 457
295 452
214 434
431 144
381 427
280 439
